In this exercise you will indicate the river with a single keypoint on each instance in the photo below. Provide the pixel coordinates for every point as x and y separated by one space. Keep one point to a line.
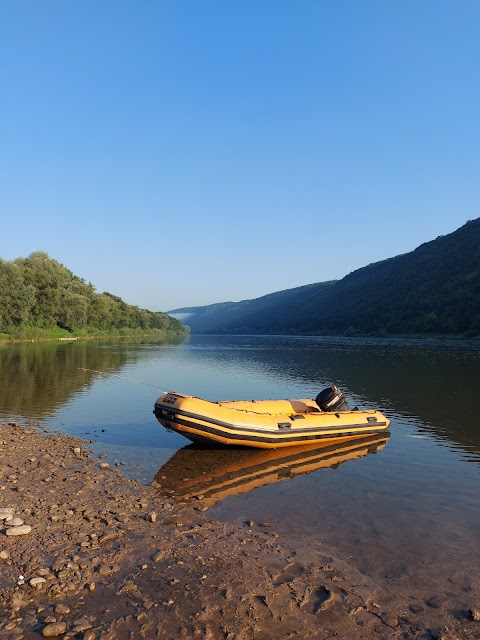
401 508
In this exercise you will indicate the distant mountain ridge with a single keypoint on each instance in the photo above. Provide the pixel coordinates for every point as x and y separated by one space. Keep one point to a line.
265 314
433 289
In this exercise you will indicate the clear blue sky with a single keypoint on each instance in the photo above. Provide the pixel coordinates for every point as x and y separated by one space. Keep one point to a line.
181 153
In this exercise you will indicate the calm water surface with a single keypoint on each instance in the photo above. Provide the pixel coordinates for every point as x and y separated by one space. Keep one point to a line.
394 506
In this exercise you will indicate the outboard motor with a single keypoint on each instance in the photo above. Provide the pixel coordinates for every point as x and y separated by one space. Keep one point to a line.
332 399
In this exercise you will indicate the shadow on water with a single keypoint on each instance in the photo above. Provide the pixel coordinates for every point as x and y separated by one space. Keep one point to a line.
211 474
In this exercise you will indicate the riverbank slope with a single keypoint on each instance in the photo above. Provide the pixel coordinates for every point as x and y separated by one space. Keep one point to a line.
103 557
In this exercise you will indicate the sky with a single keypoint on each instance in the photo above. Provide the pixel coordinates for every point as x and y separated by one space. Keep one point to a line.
185 152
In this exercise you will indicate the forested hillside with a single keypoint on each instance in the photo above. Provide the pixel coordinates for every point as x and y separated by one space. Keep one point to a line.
38 295
271 313
434 289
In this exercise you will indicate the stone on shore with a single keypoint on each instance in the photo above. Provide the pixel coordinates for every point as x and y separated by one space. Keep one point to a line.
62 609
37 582
19 531
54 629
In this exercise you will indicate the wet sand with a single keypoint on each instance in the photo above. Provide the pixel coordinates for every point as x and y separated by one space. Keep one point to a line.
108 558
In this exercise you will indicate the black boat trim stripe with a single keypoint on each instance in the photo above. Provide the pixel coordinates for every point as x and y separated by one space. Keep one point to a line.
227 425
266 438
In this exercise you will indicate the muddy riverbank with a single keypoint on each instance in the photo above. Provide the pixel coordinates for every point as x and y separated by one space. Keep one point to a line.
99 556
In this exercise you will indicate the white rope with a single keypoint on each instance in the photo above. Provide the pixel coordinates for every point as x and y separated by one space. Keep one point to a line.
106 373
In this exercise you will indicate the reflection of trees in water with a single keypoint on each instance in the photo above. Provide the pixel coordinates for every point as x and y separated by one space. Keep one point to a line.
38 377
434 382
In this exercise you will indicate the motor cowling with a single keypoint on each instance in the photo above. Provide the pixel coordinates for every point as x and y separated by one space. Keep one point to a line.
332 399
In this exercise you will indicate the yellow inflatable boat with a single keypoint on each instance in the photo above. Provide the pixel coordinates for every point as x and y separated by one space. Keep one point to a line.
267 424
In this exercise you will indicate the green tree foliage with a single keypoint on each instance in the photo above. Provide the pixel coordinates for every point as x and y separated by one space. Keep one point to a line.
40 292
50 280
17 298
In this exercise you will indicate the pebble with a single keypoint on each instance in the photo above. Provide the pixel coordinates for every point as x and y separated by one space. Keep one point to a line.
89 635
62 609
17 632
4 555
14 522
104 465
157 556
9 627
474 614
54 629
19 531
17 603
36 582
151 517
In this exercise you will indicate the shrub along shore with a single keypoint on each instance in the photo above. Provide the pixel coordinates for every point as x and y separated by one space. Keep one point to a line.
59 335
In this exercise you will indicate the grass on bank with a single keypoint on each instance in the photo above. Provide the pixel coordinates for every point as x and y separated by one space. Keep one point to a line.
56 333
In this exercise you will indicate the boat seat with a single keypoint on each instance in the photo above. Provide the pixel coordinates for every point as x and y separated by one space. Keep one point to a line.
304 406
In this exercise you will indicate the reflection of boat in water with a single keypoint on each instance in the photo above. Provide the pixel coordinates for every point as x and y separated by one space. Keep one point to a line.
267 423
212 474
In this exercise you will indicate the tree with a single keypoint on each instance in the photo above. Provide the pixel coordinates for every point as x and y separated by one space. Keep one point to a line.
42 292
48 277
16 298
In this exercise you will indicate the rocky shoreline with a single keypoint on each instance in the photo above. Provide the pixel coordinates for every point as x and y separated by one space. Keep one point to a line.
87 553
